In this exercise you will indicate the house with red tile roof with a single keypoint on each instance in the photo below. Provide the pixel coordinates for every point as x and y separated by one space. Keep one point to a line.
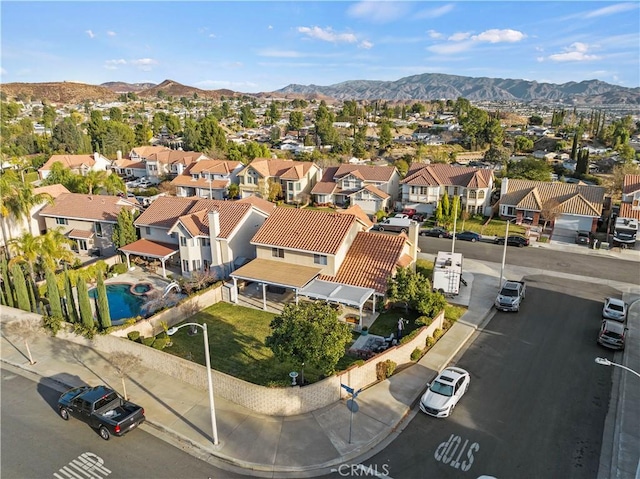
630 206
207 178
79 164
170 162
426 184
576 206
87 219
373 188
327 255
199 234
296 178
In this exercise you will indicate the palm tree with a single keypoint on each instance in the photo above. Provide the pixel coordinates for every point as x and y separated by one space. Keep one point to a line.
55 247
18 199
8 189
95 179
27 249
113 184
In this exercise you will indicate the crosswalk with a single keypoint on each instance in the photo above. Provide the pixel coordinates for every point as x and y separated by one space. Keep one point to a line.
86 466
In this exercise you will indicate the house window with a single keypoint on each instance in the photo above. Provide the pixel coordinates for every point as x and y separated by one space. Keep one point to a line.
82 244
297 186
204 242
455 191
183 242
62 221
98 228
174 235
481 194
196 264
472 194
205 263
147 230
185 265
320 259
277 252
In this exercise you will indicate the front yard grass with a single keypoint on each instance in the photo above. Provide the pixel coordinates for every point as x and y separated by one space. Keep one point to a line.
495 227
387 322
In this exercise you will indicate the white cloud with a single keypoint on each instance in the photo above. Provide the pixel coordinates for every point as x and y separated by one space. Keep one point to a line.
365 44
458 37
328 35
269 52
611 10
450 48
380 11
270 27
111 33
90 33
113 64
434 34
144 64
499 36
212 35
434 12
576 52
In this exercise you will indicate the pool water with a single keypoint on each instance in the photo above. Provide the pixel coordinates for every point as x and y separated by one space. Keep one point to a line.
123 304
141 288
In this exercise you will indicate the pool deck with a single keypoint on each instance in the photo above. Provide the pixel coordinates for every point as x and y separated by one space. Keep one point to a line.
139 276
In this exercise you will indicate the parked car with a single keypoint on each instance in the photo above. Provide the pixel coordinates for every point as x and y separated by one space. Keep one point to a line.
614 308
519 241
469 236
445 392
583 237
436 232
398 225
612 334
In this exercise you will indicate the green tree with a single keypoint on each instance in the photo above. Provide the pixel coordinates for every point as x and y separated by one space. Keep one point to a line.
473 124
522 143
102 304
115 114
455 207
70 301
497 154
33 301
272 114
95 179
233 190
53 295
117 136
296 121
414 290
446 206
574 147
65 177
247 116
439 215
493 132
309 333
18 199
535 120
173 125
582 165
124 232
7 284
529 169
142 133
386 136
22 294
402 287
67 137
113 184
86 315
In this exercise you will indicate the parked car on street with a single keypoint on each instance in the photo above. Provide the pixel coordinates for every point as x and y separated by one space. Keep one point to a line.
469 236
614 308
612 334
445 392
583 237
519 241
436 232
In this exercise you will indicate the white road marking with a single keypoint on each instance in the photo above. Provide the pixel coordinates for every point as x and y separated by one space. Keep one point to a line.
87 465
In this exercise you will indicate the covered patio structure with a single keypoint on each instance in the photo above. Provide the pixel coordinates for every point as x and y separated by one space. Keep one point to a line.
150 249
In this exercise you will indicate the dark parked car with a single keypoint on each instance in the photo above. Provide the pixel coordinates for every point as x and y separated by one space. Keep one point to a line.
469 236
519 241
583 237
436 232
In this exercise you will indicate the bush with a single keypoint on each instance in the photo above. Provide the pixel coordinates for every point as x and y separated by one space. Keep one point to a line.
437 334
409 337
446 324
424 320
52 323
430 341
385 369
162 335
134 335
160 343
148 341
119 268
416 354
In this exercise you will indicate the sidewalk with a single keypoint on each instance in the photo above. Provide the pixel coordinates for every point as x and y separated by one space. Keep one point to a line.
298 446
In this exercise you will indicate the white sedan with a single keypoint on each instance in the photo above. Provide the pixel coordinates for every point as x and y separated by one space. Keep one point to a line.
445 391
614 309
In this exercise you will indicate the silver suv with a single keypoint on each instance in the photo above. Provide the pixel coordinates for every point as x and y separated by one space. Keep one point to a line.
612 334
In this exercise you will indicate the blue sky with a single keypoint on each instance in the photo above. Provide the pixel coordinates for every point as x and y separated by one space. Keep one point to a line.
266 45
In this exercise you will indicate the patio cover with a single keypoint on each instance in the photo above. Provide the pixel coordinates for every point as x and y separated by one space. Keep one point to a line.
277 273
339 293
151 249
80 234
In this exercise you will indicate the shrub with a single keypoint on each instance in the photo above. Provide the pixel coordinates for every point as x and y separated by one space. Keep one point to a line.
446 324
359 362
430 341
134 335
148 341
162 335
409 337
437 334
119 268
82 330
53 323
424 320
160 343
385 369
416 354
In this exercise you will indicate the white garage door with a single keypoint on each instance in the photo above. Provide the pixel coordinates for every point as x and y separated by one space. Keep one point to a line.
574 223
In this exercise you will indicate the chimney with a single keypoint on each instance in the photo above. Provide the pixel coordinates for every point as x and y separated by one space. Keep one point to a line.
214 224
118 155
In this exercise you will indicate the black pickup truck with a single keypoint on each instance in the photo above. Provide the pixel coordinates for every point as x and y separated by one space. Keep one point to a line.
102 408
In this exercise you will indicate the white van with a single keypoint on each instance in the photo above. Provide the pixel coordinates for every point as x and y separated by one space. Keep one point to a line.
398 225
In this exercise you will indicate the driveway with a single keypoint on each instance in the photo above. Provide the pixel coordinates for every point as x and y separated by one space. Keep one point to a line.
563 236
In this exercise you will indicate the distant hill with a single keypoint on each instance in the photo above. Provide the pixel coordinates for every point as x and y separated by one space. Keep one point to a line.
435 86
175 89
58 92
122 87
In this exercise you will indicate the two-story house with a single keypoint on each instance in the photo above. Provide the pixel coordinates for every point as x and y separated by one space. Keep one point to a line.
326 255
87 219
630 206
199 234
296 178
207 178
170 162
426 184
79 164
373 188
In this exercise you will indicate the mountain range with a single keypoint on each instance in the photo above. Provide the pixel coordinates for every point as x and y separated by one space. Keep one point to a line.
428 86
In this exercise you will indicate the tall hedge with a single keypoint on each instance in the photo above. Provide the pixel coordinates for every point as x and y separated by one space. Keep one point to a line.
70 302
32 297
6 283
22 295
86 315
102 304
53 294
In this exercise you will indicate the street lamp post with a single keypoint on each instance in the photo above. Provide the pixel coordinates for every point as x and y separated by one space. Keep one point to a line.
606 362
171 332
504 251
210 194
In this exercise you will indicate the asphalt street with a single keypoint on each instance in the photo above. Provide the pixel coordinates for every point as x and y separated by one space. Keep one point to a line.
537 402
37 443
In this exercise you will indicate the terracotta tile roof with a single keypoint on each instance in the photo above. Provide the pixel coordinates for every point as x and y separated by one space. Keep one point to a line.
145 151
190 182
164 212
80 234
222 167
405 260
630 184
359 213
572 198
69 161
421 174
370 261
329 174
53 190
305 230
259 203
372 189
365 172
87 207
169 157
627 211
324 188
286 169
128 163
154 249
195 223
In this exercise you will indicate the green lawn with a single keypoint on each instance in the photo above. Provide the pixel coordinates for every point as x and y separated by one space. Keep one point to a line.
496 227
387 322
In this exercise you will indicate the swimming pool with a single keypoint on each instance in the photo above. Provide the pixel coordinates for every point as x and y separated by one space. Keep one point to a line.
125 300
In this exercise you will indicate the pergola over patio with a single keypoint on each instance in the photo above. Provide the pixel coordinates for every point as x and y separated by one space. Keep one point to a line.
339 293
150 249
